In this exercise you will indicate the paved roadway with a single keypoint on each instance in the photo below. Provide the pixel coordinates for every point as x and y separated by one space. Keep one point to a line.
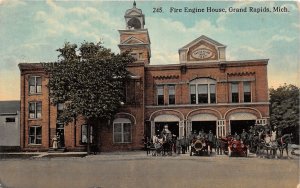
130 170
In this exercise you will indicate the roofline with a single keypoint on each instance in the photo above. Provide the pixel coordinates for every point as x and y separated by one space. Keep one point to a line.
140 44
214 62
9 114
30 66
10 101
136 31
209 64
133 30
185 47
248 61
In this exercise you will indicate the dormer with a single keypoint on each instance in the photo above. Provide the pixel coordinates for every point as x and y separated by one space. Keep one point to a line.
202 49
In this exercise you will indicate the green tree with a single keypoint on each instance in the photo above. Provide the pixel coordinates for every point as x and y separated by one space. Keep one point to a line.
284 108
89 80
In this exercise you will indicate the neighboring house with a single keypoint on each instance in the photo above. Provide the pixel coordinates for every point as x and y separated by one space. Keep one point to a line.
9 125
202 91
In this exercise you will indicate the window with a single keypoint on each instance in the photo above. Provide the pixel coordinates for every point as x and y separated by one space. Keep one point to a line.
134 55
60 108
193 94
35 135
140 55
35 84
235 92
35 110
122 130
10 119
202 93
160 95
130 93
247 91
171 94
84 136
212 93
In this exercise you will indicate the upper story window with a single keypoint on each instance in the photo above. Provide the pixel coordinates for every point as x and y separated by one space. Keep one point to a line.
171 89
35 110
203 91
60 108
193 94
212 93
135 56
141 56
35 84
10 119
234 92
247 91
160 95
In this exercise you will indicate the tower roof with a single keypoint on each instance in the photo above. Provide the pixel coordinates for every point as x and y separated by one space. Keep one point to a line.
137 11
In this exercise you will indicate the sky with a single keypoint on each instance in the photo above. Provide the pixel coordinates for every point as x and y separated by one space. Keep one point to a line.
31 31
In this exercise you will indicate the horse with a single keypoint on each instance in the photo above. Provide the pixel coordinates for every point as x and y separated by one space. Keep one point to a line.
157 145
257 143
270 144
283 143
167 145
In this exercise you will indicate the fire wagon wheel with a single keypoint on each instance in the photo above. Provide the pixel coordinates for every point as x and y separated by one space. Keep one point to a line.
208 150
229 152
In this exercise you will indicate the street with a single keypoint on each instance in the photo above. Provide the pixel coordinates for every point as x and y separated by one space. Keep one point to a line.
138 170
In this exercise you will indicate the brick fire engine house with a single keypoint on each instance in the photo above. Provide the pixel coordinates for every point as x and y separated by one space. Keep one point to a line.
202 91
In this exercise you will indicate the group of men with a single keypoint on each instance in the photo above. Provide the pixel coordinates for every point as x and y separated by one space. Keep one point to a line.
182 145
179 145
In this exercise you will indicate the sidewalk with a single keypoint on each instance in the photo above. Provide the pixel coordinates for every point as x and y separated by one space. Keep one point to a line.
117 155
16 155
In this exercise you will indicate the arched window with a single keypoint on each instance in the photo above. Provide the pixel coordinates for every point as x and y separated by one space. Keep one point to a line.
203 91
122 130
134 23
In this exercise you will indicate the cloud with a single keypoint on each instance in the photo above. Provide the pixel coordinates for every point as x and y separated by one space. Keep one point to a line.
165 49
296 25
84 22
12 3
283 38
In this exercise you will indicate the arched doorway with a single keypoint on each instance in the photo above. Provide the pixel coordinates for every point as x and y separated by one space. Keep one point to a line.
241 120
171 120
205 122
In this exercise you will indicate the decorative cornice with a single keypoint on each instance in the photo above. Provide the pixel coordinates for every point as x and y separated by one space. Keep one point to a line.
241 73
165 77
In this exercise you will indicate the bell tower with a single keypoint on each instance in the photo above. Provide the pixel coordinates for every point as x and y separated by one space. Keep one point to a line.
135 38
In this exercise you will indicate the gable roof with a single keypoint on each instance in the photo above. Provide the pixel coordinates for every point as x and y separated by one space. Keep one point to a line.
202 37
9 107
134 40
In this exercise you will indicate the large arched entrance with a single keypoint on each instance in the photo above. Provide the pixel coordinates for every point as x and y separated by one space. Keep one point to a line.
205 122
241 120
171 120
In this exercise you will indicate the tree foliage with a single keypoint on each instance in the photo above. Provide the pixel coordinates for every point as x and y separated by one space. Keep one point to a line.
284 106
89 80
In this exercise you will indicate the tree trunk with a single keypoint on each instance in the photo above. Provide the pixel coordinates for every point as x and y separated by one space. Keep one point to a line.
88 138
